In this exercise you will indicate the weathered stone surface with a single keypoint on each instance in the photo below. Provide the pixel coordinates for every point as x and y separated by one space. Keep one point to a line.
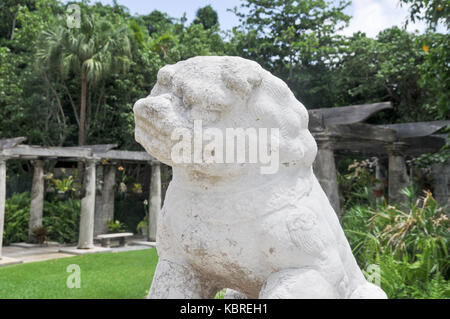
381 175
398 174
86 237
325 170
104 200
229 225
441 183
154 207
37 198
100 225
348 114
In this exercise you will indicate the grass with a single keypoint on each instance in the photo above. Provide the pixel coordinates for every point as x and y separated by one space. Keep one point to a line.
103 276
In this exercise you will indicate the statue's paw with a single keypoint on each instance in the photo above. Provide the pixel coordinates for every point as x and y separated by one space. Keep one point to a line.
368 291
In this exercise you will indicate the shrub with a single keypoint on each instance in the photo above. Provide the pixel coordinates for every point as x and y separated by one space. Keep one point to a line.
62 220
357 182
411 247
116 227
17 215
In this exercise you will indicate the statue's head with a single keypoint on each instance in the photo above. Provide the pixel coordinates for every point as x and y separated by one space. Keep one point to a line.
208 100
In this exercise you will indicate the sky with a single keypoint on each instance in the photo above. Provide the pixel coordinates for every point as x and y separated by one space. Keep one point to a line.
369 16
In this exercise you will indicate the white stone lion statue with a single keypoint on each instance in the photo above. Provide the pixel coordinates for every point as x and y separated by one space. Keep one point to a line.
226 224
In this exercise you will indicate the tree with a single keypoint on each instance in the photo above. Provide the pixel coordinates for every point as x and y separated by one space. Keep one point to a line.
207 16
435 69
388 68
435 73
296 40
22 99
92 53
9 10
431 11
156 21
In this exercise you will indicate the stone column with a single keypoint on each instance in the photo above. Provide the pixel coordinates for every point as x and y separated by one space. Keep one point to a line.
398 174
325 170
86 237
105 212
154 201
381 174
441 183
37 198
98 200
2 199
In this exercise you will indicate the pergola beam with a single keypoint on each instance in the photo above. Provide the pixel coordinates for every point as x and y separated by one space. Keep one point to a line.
27 150
348 114
130 156
363 132
417 129
415 146
11 142
100 148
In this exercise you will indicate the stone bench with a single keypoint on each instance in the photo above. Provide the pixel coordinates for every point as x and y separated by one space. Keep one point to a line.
106 239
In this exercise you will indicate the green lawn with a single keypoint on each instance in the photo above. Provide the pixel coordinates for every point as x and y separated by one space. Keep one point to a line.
105 276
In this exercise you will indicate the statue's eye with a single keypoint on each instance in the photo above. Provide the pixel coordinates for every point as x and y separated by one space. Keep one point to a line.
188 101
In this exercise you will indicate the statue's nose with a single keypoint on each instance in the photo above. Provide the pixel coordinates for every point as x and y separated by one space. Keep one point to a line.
153 104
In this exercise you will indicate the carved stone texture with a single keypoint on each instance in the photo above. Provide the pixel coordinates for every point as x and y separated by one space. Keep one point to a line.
86 237
154 206
37 198
227 225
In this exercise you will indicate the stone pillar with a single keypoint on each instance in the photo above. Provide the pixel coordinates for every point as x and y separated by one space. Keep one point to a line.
105 209
2 199
381 175
441 183
86 237
37 198
325 170
398 174
154 201
98 200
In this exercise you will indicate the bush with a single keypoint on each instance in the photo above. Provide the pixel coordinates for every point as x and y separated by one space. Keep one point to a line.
410 247
17 215
61 219
356 182
116 227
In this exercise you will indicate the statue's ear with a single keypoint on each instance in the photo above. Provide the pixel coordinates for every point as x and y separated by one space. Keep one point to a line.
242 79
165 75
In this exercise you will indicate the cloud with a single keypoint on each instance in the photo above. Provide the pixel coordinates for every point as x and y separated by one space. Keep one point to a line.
372 16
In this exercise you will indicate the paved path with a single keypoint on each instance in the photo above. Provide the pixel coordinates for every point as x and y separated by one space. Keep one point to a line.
28 255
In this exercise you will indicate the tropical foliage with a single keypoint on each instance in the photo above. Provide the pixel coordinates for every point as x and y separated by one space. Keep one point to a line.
68 86
410 246
60 221
78 85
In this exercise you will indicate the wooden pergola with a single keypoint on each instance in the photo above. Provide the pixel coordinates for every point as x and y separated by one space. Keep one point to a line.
336 130
94 217
339 130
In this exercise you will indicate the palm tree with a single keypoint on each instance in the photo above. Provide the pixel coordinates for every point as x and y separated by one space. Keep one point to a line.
93 52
